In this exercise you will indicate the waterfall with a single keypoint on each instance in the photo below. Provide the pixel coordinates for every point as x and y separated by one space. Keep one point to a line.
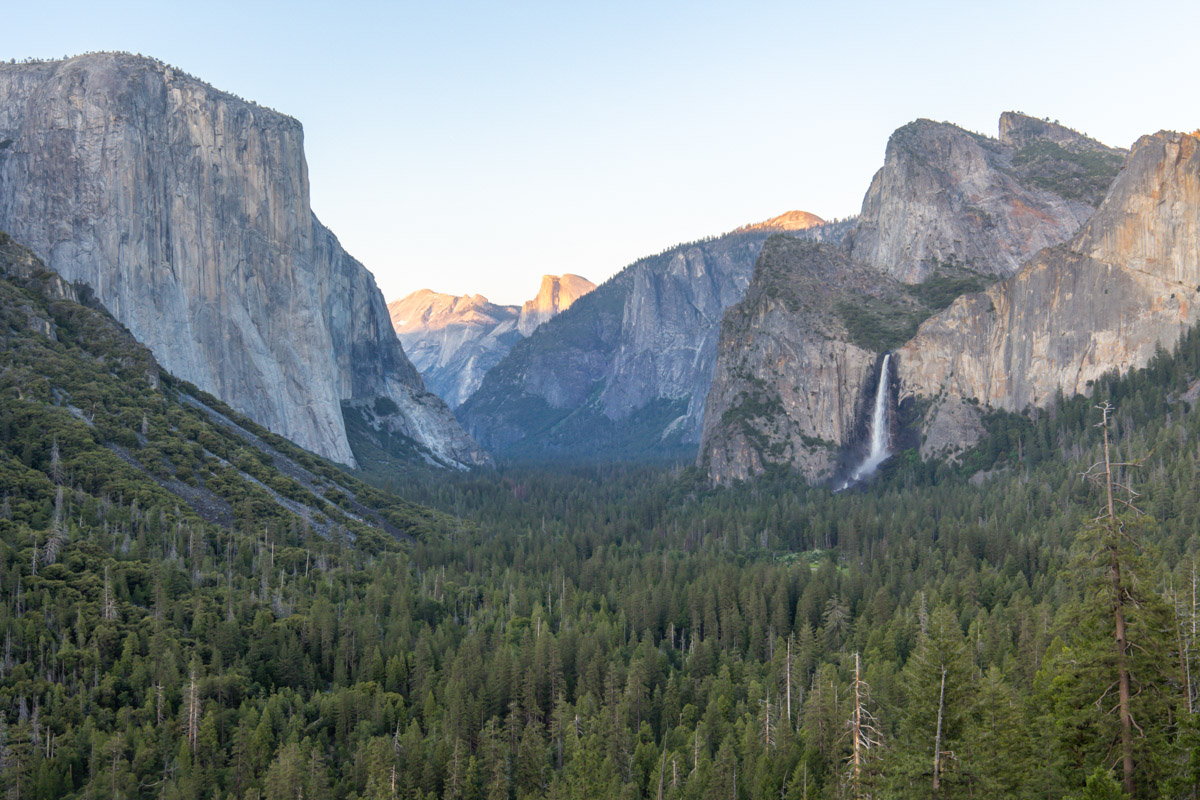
880 430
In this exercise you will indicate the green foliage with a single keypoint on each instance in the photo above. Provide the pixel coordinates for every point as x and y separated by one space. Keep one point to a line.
945 284
1082 174
877 325
584 631
880 324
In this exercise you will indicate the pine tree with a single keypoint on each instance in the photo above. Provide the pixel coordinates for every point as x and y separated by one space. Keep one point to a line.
939 692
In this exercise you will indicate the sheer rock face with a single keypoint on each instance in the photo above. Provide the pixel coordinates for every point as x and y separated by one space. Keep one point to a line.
791 383
627 368
556 295
1126 284
788 382
945 194
453 341
186 210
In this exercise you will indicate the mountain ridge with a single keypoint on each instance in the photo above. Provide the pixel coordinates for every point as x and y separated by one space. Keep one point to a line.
453 340
947 215
624 372
1126 285
186 209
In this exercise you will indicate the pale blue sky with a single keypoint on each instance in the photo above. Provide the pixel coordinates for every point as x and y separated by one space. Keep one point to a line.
472 147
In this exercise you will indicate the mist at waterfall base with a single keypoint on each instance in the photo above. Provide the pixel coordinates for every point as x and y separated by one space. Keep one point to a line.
881 445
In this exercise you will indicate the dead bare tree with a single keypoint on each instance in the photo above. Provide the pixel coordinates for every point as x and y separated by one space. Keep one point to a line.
1113 539
865 736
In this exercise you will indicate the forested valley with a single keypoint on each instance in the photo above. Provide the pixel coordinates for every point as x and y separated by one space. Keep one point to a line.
603 631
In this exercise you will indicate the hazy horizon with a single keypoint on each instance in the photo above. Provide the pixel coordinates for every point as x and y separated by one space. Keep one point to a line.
472 149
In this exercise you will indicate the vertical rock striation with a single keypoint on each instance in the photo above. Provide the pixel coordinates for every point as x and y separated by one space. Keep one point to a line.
946 195
626 370
187 211
453 341
949 211
1125 285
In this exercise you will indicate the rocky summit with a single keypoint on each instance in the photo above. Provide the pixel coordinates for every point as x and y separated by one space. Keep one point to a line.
555 295
187 211
947 195
949 213
454 340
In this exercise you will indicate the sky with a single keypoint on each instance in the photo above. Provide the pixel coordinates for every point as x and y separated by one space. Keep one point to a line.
473 147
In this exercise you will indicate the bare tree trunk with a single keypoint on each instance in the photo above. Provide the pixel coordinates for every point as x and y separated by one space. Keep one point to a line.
858 731
662 769
937 742
1191 641
1118 599
789 679
193 723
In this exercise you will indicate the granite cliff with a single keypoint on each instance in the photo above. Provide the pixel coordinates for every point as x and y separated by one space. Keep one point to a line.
950 212
946 195
555 295
1125 285
454 340
791 374
187 211
625 371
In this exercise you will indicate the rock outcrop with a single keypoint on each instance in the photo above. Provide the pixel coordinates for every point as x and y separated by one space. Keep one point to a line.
787 221
789 381
946 195
949 212
454 340
556 295
1125 285
625 371
187 212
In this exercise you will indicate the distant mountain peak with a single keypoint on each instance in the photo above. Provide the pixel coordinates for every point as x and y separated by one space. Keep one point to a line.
454 339
555 295
787 221
426 309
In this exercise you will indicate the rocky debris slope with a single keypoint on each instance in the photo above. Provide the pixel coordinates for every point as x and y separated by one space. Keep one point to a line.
187 211
1125 285
626 370
949 212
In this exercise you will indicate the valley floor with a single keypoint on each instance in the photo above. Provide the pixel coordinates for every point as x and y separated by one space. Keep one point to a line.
599 631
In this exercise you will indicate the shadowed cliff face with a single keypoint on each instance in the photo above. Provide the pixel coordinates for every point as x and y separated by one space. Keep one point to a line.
949 213
187 211
781 343
626 370
453 341
1127 283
